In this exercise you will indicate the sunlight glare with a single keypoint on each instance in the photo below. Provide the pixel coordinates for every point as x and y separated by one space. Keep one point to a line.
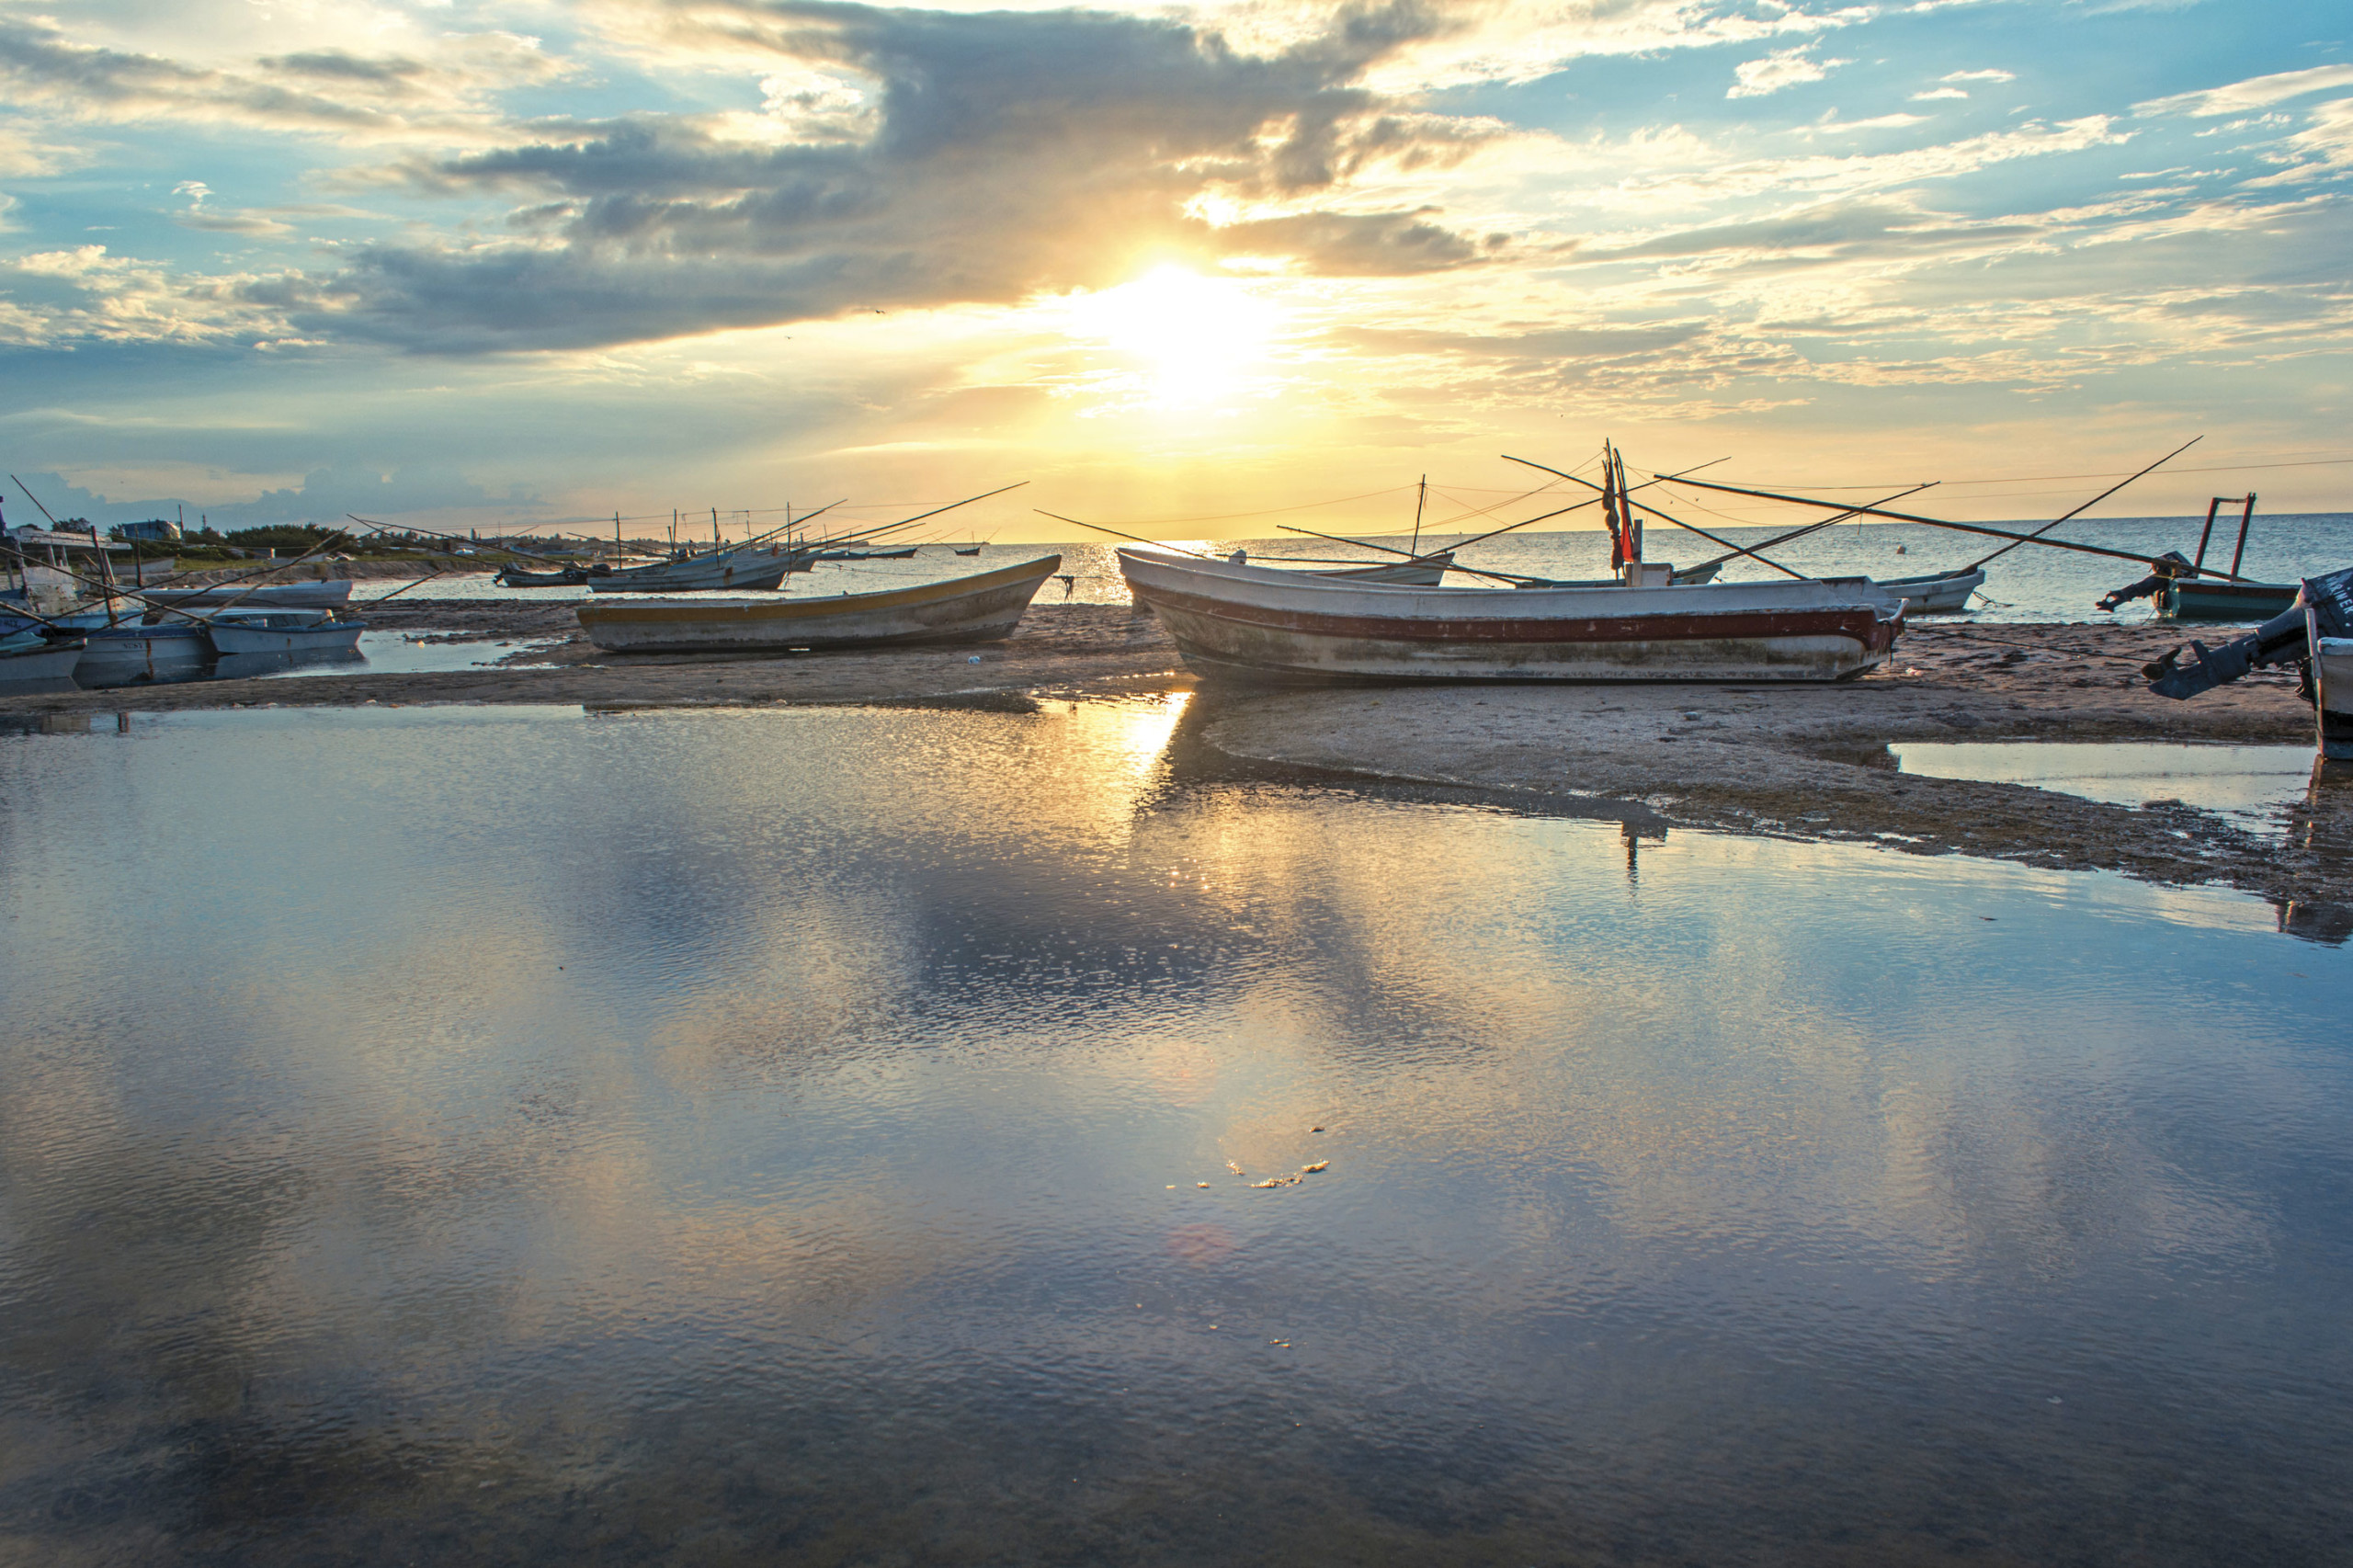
1196 336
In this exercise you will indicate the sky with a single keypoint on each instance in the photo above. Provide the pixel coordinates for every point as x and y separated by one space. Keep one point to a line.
1186 269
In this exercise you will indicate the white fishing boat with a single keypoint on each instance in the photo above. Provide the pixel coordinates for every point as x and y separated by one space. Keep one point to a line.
130 654
737 571
328 595
1939 593
963 609
281 631
1250 623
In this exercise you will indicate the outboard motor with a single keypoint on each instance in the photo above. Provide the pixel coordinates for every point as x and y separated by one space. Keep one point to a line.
2280 641
2169 567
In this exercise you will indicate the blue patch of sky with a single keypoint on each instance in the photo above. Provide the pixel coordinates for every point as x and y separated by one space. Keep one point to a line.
2068 63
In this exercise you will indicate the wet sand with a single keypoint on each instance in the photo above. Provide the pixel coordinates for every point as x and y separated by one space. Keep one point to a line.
1792 761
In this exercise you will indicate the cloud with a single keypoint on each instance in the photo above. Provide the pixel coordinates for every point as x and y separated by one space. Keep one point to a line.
994 156
22 157
1782 68
1830 125
323 92
56 298
1834 231
2255 93
1936 93
1979 77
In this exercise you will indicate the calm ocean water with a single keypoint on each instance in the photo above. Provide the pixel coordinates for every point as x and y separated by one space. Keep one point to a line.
2030 583
530 1137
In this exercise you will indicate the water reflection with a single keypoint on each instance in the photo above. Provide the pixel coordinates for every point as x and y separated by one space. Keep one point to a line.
778 1134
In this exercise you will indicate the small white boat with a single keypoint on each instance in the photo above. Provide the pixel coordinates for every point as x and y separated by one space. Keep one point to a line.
1249 623
963 609
130 654
281 631
1939 593
328 595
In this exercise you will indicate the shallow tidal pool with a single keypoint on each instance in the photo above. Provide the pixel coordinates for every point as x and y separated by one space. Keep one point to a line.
523 1136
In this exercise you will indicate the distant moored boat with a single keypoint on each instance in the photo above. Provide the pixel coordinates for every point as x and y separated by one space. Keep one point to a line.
965 609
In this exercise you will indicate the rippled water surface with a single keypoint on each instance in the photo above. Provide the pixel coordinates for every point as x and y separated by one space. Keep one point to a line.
526 1137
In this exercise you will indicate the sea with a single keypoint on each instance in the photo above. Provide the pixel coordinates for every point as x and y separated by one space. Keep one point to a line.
907 1136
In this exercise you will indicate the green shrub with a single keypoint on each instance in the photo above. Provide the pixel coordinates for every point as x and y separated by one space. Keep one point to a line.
294 537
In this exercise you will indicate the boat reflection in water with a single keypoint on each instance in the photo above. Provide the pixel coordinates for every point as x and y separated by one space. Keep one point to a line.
246 667
813 1133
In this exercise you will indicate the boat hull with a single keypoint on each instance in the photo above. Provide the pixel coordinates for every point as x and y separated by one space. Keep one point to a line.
2332 690
132 655
1938 594
48 666
966 609
737 571
328 595
1241 624
2203 598
334 636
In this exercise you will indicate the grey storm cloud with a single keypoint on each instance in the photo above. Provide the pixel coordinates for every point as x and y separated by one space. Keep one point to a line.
994 155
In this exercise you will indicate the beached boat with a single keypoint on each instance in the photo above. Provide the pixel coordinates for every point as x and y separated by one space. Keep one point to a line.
2215 598
1250 623
128 654
327 595
730 571
1938 593
2332 664
27 658
964 609
561 577
281 631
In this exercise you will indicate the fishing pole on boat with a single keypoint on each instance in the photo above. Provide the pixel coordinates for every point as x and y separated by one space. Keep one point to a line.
1137 539
1623 494
1979 564
1711 538
1427 559
1594 500
1939 523
404 587
1826 522
919 517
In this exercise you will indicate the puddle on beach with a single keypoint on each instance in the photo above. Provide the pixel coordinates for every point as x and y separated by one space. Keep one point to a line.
784 1135
380 652
403 653
2251 786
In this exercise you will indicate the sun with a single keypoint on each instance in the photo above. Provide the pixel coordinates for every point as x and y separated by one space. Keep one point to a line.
1193 337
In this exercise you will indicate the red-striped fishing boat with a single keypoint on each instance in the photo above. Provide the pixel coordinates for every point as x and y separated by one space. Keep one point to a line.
1256 624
